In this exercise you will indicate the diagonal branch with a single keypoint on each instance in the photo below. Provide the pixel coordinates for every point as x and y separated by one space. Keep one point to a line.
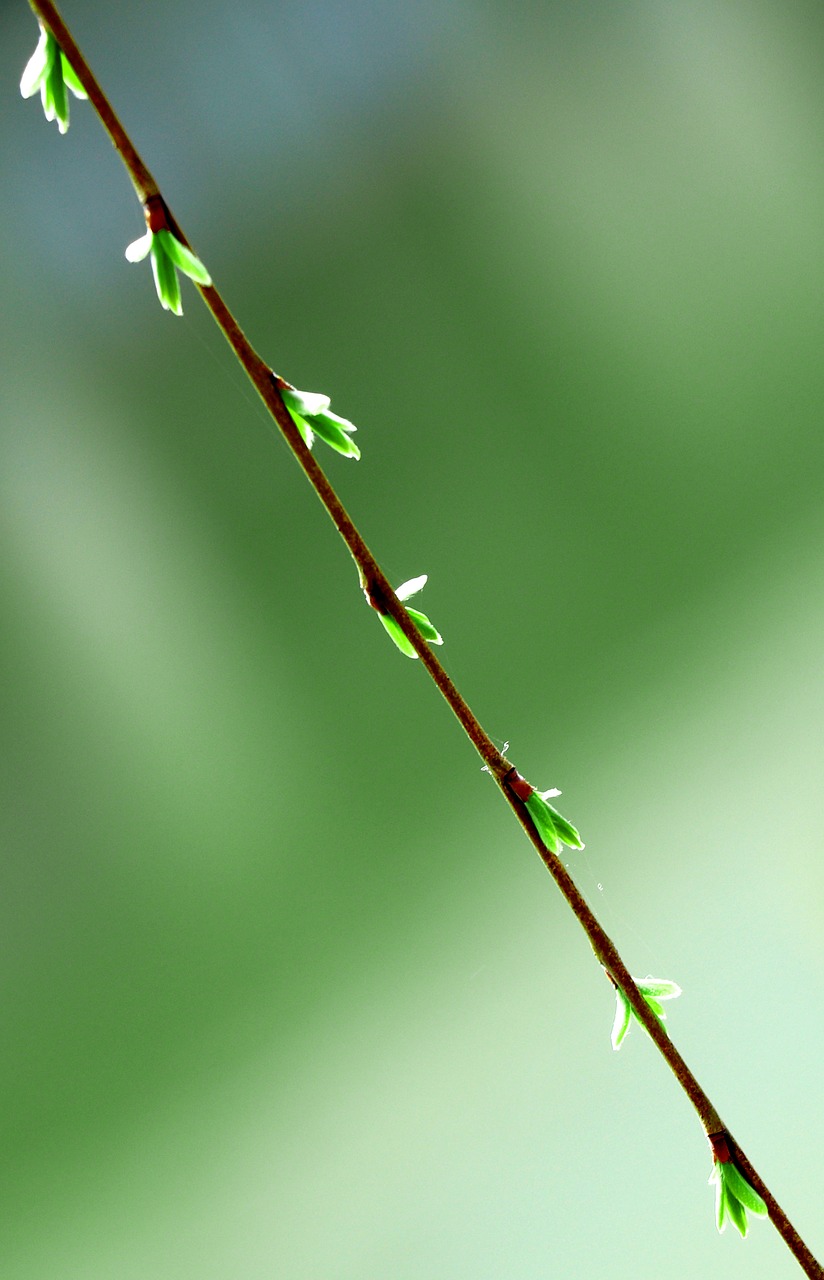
378 591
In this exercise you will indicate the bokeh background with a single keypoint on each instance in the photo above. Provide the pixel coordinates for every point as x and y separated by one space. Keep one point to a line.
285 992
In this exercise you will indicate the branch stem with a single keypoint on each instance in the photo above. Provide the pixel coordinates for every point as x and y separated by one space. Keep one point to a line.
377 589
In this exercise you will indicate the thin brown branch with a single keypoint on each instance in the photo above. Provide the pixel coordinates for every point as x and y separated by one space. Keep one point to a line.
607 953
378 590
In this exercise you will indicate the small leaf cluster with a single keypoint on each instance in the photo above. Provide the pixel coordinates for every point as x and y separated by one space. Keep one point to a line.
734 1196
311 415
168 257
429 633
552 826
654 990
49 70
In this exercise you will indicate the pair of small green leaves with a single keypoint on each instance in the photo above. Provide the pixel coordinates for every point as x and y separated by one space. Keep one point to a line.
49 71
654 990
552 826
168 257
311 415
734 1196
420 620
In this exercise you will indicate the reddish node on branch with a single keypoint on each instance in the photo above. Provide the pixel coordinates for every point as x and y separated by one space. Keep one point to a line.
518 785
156 214
720 1147
159 217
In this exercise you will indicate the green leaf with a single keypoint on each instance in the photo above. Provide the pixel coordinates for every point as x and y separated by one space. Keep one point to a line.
49 71
623 1017
291 399
737 1184
70 77
720 1198
425 626
566 832
397 635
541 814
736 1212
552 826
306 403
167 256
343 424
59 98
46 97
656 989
324 426
39 64
659 988
182 257
312 409
734 1196
303 427
669 990
166 281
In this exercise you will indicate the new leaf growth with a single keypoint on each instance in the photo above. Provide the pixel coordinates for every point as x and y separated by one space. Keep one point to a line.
49 70
429 633
552 826
311 415
733 1193
654 990
168 257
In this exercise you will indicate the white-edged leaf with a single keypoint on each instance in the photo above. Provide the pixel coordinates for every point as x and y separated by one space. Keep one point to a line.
38 65
741 1189
425 627
568 834
303 427
327 429
623 1017
166 281
70 77
138 249
720 1203
60 98
183 258
736 1212
658 988
541 814
343 423
397 635
411 588
306 403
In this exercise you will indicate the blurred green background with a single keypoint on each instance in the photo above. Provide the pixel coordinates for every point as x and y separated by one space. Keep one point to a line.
285 991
